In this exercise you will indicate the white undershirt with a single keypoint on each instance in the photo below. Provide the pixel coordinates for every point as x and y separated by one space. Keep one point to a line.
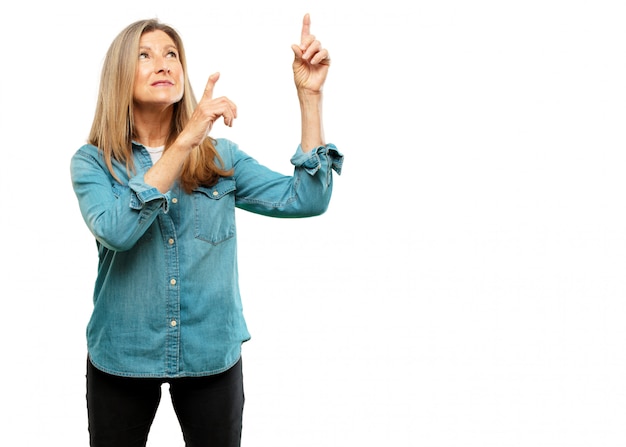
155 153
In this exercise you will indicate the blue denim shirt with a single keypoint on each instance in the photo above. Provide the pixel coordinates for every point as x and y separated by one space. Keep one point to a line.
166 297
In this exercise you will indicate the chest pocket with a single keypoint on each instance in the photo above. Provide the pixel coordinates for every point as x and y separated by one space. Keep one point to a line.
214 208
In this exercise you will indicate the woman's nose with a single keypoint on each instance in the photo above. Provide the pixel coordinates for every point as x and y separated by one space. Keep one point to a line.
161 66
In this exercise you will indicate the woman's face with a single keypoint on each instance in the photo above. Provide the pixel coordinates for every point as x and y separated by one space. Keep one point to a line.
159 77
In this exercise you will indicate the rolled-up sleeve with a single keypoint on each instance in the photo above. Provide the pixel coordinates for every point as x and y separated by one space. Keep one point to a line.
312 161
305 193
145 194
117 214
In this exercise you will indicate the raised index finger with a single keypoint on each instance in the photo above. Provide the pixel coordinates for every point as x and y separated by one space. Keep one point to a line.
306 27
208 90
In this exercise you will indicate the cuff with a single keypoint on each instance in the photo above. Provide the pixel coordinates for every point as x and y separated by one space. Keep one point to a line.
143 194
312 161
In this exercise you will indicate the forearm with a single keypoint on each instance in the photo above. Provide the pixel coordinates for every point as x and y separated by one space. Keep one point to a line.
116 213
311 120
168 168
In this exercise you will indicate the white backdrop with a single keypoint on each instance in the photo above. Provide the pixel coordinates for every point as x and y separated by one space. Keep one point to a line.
467 285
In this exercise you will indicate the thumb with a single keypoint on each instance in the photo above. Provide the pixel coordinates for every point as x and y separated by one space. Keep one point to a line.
208 90
297 51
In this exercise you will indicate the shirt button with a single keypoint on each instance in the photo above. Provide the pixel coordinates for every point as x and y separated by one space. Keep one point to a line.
173 323
174 200
173 281
171 241
215 193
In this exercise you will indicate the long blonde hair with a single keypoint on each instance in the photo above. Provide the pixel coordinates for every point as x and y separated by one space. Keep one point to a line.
113 128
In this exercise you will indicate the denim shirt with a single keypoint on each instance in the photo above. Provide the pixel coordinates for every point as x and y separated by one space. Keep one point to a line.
166 296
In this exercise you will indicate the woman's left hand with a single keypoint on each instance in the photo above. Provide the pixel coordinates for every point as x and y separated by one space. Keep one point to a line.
311 61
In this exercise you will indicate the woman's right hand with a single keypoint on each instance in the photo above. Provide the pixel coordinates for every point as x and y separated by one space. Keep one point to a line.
167 169
206 113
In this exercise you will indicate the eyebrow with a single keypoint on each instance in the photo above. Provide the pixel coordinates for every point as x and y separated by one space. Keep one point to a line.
167 47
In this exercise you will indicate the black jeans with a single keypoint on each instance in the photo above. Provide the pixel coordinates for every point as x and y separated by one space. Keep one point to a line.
121 409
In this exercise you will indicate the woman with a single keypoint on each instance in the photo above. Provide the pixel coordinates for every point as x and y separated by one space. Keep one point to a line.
159 195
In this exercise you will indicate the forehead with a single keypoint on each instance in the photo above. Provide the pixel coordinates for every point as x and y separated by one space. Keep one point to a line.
156 38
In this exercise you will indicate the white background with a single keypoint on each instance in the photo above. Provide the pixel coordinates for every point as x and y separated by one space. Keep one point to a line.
467 286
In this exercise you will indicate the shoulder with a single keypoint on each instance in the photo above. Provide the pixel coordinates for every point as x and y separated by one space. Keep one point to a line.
87 149
224 146
87 152
228 151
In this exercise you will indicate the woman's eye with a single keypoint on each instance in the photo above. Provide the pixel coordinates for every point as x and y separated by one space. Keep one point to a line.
172 54
143 55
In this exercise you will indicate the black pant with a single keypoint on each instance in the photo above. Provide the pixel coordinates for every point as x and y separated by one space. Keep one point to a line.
121 409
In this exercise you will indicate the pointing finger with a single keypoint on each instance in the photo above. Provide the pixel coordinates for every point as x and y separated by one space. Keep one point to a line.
208 90
306 29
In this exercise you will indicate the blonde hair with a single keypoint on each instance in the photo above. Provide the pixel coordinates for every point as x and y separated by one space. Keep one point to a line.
113 128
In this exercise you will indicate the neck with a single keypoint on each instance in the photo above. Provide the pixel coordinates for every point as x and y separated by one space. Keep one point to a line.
152 127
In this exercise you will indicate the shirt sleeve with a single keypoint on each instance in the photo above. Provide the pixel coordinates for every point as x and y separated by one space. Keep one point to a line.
312 161
305 193
117 214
